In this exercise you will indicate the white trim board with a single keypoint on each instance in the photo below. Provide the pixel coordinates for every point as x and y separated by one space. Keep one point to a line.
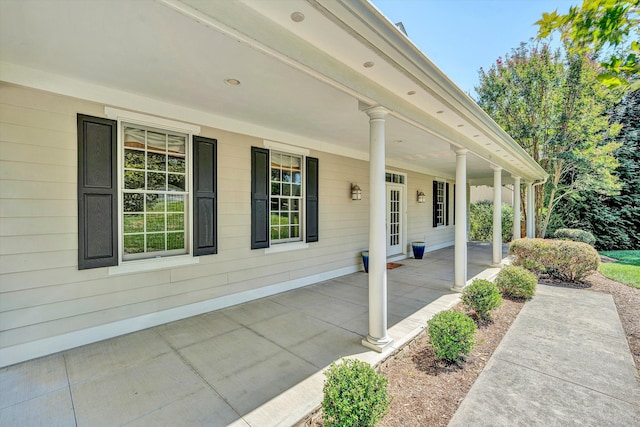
46 346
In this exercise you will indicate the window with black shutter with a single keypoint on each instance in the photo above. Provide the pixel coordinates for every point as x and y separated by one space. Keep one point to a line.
148 215
284 190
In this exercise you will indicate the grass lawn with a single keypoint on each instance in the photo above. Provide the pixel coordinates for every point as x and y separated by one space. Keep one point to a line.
626 270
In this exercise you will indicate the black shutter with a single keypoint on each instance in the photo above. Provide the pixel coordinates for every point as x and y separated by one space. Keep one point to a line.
205 205
435 203
259 198
446 203
312 199
97 192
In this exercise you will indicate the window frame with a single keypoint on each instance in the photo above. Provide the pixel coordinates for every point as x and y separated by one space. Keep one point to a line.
440 187
301 199
188 193
123 118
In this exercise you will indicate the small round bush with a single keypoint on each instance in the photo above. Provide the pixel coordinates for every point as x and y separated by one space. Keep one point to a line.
452 335
481 296
354 395
576 235
516 282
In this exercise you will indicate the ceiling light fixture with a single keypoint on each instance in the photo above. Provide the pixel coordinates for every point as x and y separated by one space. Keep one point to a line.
232 82
297 16
368 64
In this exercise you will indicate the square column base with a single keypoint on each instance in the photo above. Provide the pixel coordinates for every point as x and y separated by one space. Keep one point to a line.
378 346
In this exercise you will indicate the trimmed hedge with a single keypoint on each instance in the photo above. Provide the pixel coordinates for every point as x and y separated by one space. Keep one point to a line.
354 395
452 334
516 282
481 296
575 235
560 259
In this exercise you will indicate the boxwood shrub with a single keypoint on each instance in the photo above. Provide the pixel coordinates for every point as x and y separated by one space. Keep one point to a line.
516 282
452 334
354 395
575 235
481 296
559 259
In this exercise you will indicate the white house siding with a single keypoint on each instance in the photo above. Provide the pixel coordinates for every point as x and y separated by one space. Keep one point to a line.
485 192
43 296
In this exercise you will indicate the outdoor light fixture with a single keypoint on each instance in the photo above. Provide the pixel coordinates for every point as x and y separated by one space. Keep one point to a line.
421 197
356 192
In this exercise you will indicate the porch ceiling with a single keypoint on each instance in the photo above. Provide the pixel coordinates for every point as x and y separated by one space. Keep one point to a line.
300 82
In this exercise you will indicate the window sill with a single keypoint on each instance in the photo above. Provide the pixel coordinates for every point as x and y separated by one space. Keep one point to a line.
286 247
153 264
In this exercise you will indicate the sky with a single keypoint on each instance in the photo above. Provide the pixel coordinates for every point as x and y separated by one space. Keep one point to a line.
460 36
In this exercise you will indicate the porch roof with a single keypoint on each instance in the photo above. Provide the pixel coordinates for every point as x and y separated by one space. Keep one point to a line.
300 82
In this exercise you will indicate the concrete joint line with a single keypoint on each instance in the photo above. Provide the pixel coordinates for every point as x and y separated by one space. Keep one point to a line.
567 381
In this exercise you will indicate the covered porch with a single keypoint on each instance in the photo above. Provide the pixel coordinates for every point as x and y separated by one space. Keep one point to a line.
260 363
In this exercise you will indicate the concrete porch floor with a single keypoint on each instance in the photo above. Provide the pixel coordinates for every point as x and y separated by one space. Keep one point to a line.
256 364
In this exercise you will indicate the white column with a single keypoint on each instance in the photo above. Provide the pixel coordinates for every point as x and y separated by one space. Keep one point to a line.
460 250
516 207
497 215
530 212
377 339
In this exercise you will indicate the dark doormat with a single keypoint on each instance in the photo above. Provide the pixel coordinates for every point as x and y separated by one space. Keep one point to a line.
392 265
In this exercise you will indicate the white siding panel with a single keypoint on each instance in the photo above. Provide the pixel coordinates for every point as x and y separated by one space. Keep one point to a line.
57 276
45 243
51 294
23 153
19 171
38 190
37 118
37 261
37 225
14 208
18 134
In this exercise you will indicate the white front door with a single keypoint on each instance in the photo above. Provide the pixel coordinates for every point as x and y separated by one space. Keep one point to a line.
394 219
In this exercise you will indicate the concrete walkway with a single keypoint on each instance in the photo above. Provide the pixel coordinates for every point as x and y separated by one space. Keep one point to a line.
255 364
565 361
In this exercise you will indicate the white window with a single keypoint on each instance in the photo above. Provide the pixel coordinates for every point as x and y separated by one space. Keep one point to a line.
439 200
155 192
286 197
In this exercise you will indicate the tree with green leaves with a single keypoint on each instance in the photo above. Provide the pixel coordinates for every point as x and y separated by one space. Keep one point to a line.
609 29
553 105
614 220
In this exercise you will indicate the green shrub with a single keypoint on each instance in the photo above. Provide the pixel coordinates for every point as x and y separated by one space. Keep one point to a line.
575 235
560 259
481 221
481 296
516 282
354 395
452 335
